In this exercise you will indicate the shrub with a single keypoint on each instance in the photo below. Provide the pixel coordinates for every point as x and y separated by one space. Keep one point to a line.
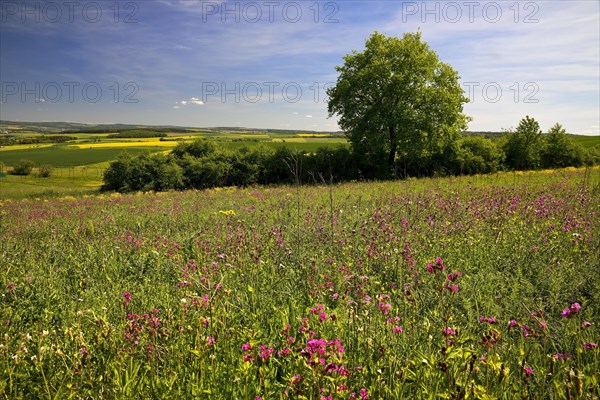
475 155
23 167
143 173
45 170
197 148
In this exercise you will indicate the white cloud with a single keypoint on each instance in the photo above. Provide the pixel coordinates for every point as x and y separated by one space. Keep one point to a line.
194 100
308 116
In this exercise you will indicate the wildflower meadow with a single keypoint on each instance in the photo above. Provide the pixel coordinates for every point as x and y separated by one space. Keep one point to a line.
481 287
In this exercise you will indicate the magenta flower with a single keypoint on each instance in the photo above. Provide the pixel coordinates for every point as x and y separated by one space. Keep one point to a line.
448 331
590 345
211 341
385 308
265 352
491 320
397 329
572 310
296 379
452 288
512 323
285 352
430 268
586 324
363 392
246 346
528 371
126 298
452 277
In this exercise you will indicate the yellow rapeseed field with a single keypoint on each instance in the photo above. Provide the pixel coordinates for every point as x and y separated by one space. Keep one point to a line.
123 144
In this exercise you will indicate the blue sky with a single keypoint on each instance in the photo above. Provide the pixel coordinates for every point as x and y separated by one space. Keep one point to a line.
266 64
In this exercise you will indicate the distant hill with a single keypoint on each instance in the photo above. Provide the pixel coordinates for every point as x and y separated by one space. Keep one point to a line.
72 127
14 127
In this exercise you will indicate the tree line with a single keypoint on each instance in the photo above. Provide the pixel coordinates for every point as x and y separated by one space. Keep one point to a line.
203 164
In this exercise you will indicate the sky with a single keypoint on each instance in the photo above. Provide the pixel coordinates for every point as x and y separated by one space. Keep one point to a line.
267 64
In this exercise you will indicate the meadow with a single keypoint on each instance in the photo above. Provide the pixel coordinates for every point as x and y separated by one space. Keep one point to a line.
483 287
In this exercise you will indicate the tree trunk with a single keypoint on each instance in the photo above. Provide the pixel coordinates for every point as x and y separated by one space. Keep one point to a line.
393 146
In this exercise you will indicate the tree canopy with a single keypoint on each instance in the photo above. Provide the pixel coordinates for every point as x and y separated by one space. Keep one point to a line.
522 146
397 102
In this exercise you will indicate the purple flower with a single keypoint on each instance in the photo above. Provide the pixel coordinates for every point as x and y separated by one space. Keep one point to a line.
448 331
126 298
363 392
512 323
566 313
590 345
562 355
575 307
430 268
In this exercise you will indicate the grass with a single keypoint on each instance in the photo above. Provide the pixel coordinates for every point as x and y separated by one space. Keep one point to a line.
470 287
61 182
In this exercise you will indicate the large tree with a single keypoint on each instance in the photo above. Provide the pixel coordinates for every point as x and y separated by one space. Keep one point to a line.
396 100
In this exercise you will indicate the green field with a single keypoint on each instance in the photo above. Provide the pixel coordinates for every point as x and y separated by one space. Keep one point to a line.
66 156
96 148
481 287
587 141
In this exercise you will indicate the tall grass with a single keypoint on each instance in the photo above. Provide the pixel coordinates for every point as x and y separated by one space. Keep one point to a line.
472 287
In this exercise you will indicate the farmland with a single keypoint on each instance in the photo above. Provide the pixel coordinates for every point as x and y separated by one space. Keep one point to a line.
90 148
79 164
479 287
